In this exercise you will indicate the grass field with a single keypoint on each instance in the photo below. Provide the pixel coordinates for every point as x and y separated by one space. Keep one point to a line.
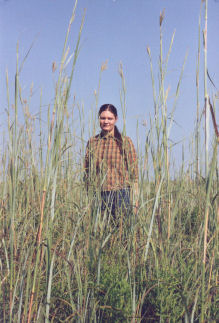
61 261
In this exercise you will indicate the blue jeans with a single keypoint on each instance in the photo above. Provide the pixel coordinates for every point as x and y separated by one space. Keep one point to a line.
116 201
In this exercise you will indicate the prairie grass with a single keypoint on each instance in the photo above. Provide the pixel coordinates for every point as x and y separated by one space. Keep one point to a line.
63 261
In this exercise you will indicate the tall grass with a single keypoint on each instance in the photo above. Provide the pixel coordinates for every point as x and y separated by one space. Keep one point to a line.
63 261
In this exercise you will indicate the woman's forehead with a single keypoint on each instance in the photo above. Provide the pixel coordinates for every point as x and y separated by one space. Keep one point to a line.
107 114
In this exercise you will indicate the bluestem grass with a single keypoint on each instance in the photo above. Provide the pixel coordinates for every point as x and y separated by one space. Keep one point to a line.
62 260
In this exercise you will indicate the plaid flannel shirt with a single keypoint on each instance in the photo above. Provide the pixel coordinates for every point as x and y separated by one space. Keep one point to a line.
106 166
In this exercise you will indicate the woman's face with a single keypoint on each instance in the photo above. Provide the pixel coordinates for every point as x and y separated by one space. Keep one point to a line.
107 121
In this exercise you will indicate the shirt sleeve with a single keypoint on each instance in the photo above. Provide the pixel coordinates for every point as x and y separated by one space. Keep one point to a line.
132 160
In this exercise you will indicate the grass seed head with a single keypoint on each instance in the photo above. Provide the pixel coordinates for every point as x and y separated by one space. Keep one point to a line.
54 67
162 16
148 50
104 65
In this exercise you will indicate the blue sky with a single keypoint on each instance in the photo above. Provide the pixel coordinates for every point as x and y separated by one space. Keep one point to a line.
117 31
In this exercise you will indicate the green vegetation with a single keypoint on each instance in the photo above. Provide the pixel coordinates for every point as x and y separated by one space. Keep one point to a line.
62 262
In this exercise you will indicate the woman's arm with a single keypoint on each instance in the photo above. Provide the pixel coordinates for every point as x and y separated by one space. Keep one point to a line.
86 165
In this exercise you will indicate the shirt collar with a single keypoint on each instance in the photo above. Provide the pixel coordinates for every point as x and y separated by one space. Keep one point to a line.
106 135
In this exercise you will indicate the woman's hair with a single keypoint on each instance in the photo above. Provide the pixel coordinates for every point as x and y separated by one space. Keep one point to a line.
117 134
108 107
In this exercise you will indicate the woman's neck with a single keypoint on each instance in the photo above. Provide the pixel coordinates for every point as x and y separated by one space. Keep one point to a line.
109 133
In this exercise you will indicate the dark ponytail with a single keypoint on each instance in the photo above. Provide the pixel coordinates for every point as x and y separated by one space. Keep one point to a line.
118 136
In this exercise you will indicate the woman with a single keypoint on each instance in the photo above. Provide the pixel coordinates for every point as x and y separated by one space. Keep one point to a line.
111 164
